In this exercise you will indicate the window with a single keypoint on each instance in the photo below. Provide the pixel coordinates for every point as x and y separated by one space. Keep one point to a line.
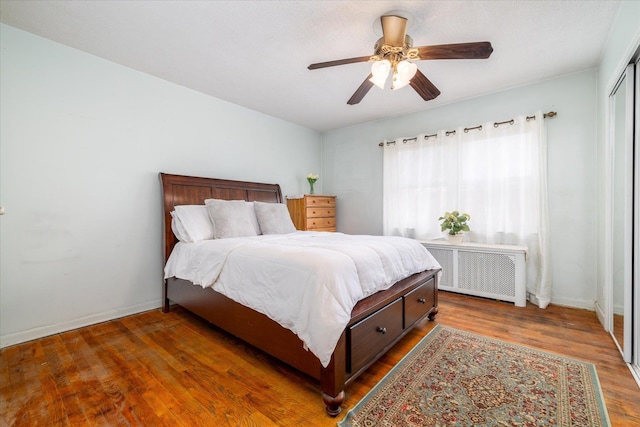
497 174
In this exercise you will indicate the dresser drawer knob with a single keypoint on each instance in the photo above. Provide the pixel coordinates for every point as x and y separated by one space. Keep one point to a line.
422 300
381 330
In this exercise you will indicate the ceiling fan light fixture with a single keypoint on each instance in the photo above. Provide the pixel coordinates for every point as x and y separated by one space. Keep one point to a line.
380 71
404 72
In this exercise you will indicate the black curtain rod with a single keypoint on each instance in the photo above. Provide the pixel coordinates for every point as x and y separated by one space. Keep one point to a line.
453 132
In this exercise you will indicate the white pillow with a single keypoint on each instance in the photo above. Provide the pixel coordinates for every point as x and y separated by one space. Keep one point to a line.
194 223
231 218
254 219
178 229
274 218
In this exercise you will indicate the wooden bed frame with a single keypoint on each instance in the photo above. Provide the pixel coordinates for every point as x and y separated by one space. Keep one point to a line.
377 322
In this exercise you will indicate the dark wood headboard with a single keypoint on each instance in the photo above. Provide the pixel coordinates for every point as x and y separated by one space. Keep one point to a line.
189 190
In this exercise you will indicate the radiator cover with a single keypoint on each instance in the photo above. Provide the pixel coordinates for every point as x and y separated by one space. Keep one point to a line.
490 271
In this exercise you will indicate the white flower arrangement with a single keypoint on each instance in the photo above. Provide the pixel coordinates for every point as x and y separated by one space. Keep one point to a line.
312 178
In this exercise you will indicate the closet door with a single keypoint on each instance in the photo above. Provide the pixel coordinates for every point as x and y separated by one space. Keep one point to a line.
622 233
635 309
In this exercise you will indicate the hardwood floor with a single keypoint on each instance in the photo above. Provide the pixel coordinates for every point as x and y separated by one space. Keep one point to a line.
155 369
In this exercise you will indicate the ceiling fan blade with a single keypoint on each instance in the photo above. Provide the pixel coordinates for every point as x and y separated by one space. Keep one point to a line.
424 87
361 91
476 50
338 62
394 30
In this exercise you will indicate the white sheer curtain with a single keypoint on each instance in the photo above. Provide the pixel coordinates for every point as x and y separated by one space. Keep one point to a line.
498 175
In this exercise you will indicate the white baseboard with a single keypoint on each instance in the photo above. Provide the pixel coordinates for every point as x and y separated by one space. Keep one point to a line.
44 331
601 317
575 303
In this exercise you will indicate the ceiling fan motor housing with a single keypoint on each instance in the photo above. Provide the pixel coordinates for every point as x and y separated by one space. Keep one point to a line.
394 54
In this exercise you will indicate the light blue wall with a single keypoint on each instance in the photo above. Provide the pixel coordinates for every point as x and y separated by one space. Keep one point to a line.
81 143
352 169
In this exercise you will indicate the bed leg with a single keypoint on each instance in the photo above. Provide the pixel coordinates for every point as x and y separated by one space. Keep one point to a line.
333 378
332 404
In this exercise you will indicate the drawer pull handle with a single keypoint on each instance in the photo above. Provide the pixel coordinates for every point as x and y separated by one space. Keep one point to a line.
381 330
422 300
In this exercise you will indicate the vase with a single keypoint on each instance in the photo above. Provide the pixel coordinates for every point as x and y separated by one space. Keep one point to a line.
455 239
311 187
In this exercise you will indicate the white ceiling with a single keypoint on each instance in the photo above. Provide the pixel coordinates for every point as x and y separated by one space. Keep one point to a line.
255 53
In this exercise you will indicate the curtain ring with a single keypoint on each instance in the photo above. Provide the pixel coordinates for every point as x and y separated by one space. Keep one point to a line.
466 130
496 124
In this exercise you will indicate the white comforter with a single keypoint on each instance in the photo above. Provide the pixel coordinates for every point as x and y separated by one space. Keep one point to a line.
308 282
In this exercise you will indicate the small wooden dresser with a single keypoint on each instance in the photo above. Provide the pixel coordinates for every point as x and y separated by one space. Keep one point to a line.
313 212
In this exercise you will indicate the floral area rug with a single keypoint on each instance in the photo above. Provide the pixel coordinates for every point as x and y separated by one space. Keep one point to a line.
454 378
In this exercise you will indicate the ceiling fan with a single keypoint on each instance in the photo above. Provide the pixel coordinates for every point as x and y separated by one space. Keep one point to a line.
394 51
